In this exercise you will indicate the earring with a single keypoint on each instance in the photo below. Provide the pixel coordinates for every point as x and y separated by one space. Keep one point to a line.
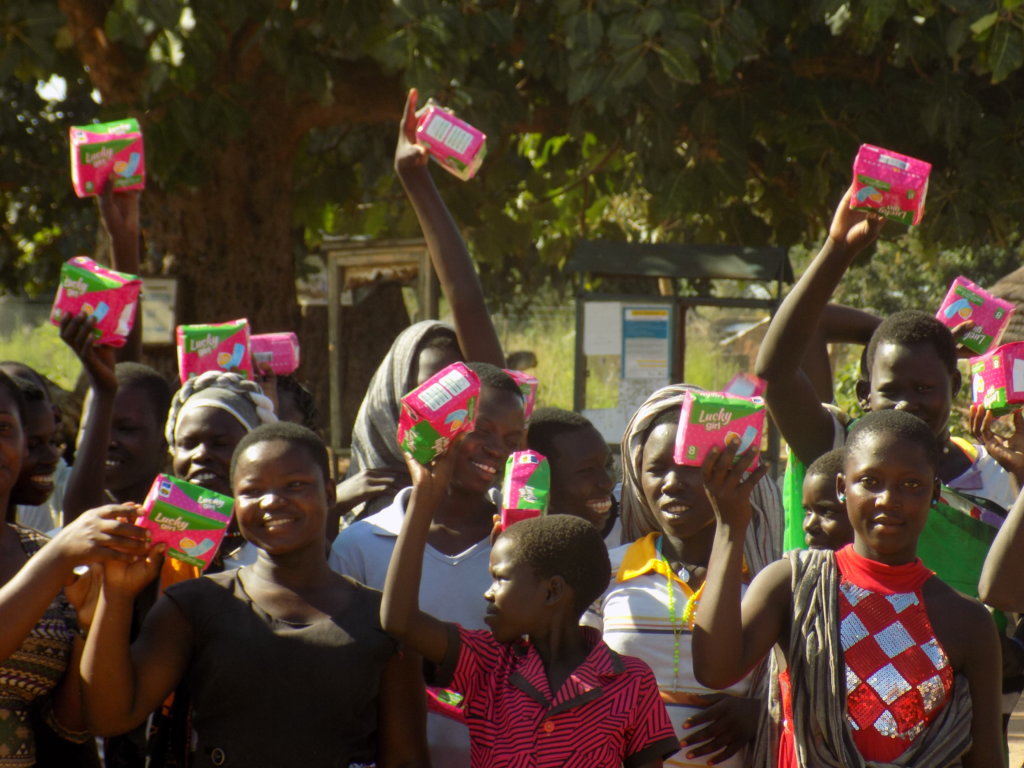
842 498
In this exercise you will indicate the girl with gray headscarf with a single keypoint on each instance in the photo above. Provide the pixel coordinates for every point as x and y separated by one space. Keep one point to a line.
648 609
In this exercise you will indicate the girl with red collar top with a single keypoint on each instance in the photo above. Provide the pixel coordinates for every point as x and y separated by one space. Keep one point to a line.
918 661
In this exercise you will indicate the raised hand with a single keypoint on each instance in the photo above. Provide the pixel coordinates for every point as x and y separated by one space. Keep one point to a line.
365 485
731 725
1008 451
728 485
120 214
408 154
431 482
102 534
853 230
131 576
98 360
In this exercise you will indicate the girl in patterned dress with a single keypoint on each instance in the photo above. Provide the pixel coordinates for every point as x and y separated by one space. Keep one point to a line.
41 636
889 666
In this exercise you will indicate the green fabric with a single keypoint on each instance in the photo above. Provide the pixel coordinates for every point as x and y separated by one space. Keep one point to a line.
793 503
954 544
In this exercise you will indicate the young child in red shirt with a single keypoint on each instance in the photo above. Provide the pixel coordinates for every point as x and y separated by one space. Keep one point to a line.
540 690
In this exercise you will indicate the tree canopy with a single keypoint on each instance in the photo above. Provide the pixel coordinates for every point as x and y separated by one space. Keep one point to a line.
270 121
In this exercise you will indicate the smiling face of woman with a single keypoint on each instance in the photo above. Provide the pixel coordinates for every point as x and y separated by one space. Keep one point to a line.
12 443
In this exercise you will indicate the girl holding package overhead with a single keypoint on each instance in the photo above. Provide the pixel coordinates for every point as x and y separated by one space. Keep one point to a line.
285 660
915 663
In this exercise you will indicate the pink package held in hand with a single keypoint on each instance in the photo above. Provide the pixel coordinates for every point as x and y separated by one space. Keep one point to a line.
105 151
437 411
110 297
525 487
454 144
711 419
997 379
279 350
890 184
990 314
214 347
528 386
191 520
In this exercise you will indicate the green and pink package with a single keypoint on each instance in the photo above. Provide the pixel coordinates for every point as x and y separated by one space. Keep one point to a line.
990 314
890 184
525 487
997 379
454 144
279 350
103 151
528 386
437 411
191 520
110 297
711 419
214 347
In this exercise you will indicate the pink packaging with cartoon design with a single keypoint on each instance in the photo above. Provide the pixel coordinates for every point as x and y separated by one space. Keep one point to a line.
997 379
525 487
528 386
110 297
103 151
190 519
745 385
436 411
454 144
214 347
712 419
280 350
990 314
890 184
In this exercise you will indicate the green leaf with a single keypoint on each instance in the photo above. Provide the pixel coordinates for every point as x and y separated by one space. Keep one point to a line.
982 25
630 71
1006 52
956 35
585 31
678 65
623 32
651 21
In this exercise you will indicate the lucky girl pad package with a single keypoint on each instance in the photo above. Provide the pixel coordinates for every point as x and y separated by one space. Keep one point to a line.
436 411
712 419
107 151
110 297
214 347
191 520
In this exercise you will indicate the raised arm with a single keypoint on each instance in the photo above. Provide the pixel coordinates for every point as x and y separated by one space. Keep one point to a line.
85 486
839 324
400 613
730 639
101 534
1002 575
455 271
122 685
790 394
120 213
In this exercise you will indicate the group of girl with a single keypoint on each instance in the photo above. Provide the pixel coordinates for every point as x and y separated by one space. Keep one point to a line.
850 653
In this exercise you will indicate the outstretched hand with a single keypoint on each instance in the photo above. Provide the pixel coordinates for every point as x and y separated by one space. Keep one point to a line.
731 725
98 360
1008 451
728 485
102 534
365 485
409 154
853 230
431 481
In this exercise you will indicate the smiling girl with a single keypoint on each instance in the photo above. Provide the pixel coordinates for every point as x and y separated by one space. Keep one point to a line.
917 662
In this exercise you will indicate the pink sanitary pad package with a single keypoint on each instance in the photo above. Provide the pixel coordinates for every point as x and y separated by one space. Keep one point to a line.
190 519
525 487
214 347
890 184
105 151
454 144
712 419
437 411
110 297
997 379
990 314
280 350
528 386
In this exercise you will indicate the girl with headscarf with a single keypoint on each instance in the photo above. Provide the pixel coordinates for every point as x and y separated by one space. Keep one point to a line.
658 575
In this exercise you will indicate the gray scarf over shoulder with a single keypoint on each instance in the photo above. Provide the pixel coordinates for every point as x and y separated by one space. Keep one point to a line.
818 675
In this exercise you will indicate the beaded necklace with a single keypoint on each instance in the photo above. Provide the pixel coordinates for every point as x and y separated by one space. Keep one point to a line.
688 610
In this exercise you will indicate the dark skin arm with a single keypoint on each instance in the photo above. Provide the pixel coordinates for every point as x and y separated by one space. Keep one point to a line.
402 715
83 491
459 281
120 213
730 637
400 613
1002 576
839 325
790 393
